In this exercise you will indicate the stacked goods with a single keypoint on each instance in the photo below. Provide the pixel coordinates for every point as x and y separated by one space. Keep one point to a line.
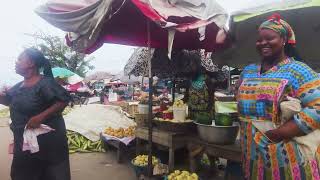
179 110
120 132
182 175
167 114
79 143
179 104
142 160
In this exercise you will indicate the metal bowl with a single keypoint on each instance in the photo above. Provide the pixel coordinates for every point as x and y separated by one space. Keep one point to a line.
218 134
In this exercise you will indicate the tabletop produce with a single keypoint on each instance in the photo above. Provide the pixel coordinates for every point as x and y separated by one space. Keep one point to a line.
182 175
142 160
120 132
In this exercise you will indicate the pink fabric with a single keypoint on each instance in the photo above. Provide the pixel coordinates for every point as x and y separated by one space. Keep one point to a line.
134 16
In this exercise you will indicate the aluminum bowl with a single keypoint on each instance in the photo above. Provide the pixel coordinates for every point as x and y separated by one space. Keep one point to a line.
218 134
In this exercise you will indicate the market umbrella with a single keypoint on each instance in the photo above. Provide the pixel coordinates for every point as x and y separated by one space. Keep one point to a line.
303 18
62 73
66 75
184 24
168 24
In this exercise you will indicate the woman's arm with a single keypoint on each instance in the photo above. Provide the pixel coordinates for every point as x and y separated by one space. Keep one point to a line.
286 131
3 96
307 120
35 121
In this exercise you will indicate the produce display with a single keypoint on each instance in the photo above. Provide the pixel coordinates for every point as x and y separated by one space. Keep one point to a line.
142 160
223 119
173 120
79 143
203 118
168 114
179 104
120 132
182 175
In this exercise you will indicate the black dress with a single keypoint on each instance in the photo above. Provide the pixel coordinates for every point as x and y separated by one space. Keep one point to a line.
52 161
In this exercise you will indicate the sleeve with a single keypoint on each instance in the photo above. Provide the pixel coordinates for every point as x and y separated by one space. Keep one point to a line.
308 119
52 92
11 92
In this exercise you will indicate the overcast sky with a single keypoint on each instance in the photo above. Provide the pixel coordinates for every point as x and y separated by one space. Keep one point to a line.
17 19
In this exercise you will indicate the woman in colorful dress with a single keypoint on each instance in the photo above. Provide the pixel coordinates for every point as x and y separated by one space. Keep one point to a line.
200 93
275 153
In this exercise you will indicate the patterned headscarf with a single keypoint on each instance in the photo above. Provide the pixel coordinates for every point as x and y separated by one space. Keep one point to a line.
280 26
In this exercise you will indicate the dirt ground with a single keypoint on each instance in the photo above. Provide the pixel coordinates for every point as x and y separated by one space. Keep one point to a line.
91 166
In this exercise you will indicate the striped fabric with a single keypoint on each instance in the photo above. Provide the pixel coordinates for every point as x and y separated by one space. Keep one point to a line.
258 99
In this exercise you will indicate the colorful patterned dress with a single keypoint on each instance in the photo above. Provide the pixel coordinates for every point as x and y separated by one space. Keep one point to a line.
258 100
199 99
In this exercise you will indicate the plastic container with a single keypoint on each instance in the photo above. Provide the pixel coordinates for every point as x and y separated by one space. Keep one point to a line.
180 113
143 108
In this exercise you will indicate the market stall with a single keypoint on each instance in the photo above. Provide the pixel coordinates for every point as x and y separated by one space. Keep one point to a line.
158 25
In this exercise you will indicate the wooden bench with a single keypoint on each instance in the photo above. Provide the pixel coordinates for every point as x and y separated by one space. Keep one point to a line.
230 152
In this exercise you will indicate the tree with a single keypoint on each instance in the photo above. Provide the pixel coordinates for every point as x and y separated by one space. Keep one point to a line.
60 55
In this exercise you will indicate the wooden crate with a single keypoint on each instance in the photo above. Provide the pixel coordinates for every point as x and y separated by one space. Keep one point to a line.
132 109
141 119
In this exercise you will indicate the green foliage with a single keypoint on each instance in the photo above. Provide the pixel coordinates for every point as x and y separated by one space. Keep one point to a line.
60 55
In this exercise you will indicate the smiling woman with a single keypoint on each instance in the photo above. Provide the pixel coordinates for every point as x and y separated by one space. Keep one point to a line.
276 154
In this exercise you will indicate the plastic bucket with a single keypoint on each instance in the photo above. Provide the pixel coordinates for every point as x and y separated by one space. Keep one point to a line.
143 108
179 113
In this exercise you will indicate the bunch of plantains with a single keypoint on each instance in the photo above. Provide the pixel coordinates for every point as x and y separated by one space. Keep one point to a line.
79 143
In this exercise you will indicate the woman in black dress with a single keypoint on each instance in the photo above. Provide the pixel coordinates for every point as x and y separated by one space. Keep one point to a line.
38 99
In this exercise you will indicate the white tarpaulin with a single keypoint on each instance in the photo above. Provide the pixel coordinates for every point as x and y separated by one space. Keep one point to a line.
92 119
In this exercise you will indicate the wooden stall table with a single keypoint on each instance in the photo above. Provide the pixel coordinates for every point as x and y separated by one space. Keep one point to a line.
118 145
230 152
171 140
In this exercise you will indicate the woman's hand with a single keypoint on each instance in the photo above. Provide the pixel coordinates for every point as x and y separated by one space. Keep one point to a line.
35 122
274 135
3 90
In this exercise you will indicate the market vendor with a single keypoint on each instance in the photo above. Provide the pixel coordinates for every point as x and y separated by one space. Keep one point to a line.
279 153
199 94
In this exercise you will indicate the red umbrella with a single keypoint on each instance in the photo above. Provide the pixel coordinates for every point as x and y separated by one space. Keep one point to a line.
126 23
122 30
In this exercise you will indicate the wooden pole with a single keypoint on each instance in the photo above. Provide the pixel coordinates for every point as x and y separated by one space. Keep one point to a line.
150 114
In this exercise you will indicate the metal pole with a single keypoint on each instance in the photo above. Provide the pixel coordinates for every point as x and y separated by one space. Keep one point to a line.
150 114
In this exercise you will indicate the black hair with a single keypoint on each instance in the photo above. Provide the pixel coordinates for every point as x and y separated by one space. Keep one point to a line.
40 61
291 51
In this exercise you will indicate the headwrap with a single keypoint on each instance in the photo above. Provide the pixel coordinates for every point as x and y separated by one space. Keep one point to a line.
280 26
